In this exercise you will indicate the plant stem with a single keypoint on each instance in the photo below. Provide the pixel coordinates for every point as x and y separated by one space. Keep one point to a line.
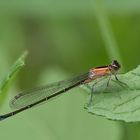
106 32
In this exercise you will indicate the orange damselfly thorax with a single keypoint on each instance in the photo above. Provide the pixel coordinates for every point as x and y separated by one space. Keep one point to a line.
101 71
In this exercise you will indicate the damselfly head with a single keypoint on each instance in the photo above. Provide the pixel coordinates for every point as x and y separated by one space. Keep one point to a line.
115 65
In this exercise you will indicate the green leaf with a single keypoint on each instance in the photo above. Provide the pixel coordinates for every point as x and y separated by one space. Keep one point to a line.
5 83
118 101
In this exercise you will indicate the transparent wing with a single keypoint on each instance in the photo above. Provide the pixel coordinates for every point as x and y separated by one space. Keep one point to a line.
31 96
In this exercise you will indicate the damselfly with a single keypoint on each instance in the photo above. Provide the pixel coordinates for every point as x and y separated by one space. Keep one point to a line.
31 98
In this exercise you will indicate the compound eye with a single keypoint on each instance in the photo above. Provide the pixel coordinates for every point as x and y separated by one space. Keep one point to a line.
115 64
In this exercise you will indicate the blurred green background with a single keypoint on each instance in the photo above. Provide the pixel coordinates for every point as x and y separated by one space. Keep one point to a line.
65 38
